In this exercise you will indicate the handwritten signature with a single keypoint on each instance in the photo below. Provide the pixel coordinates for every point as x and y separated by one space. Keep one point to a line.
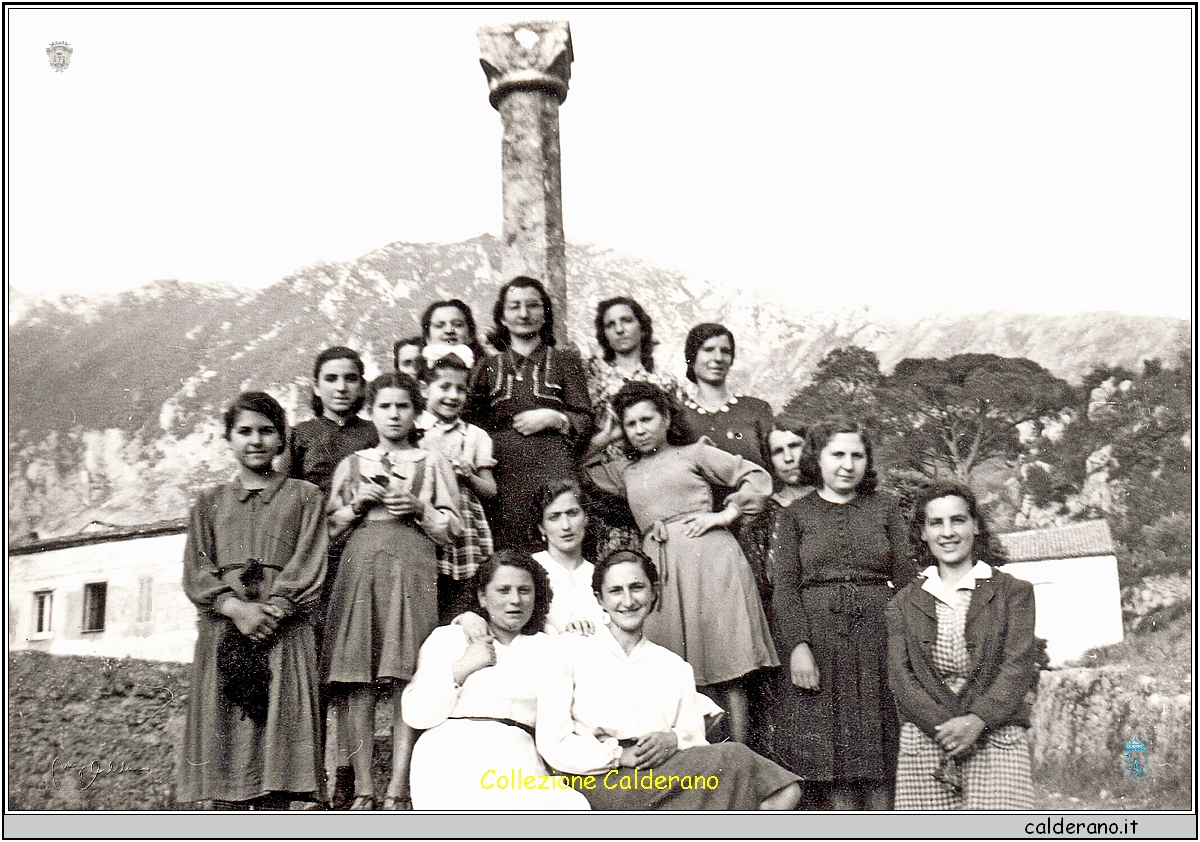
89 772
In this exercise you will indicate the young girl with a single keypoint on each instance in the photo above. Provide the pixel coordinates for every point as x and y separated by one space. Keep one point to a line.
320 444
253 565
448 327
710 614
317 447
468 449
396 500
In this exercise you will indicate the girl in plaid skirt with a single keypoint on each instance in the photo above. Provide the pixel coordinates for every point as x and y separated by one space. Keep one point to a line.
468 449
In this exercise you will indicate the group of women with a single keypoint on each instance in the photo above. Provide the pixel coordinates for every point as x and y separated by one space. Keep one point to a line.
570 576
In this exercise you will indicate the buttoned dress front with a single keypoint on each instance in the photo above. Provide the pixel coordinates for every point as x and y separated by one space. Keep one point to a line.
836 567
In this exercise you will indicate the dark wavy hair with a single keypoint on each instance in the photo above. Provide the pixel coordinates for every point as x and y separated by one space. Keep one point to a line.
399 380
498 335
696 338
643 318
636 392
419 341
337 352
987 548
542 592
469 317
264 405
622 556
820 435
548 492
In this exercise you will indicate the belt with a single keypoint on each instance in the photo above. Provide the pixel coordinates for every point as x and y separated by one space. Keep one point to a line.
528 729
846 581
658 534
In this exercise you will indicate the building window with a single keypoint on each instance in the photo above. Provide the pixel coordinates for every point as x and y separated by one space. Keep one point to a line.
95 595
42 602
145 611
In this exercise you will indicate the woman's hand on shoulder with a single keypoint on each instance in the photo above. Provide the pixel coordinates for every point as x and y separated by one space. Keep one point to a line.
474 627
653 749
803 668
583 628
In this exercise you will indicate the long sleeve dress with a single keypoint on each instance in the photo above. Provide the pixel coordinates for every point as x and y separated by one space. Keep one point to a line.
227 756
505 385
604 698
384 602
837 565
709 613
478 737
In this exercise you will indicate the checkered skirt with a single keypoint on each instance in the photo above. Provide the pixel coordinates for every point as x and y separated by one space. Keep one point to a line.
998 775
474 545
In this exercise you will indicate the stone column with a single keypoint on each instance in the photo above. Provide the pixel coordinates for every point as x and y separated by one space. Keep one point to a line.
528 68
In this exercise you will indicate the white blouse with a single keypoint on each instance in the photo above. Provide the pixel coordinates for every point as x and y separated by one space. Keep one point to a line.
506 690
573 598
603 696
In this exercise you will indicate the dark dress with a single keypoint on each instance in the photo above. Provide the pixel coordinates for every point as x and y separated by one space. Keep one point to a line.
227 756
502 387
319 445
834 563
316 447
740 427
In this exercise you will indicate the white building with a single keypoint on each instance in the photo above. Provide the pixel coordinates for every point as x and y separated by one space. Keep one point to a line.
120 593
1073 569
112 594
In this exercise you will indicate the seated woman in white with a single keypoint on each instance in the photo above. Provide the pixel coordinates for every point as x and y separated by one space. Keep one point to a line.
624 707
478 701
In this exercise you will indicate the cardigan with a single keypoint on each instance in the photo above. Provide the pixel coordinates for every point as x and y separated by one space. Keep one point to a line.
1000 642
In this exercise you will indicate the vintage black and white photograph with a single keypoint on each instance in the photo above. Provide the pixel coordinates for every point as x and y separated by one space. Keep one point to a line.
516 410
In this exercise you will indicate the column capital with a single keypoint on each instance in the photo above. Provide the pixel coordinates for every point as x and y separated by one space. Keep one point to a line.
530 55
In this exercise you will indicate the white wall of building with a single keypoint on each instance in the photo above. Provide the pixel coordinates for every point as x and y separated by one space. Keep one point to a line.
1078 603
146 613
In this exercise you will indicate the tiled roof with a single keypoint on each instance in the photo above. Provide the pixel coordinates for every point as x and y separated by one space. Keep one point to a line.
115 533
1074 540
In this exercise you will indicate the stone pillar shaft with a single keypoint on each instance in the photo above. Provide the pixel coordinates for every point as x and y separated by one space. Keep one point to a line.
528 66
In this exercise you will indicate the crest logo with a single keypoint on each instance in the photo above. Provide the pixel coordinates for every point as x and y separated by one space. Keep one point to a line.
60 55
1133 759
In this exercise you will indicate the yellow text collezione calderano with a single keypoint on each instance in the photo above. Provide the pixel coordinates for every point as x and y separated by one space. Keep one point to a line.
612 779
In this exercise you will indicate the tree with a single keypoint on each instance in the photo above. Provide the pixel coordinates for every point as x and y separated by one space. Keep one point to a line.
846 382
956 413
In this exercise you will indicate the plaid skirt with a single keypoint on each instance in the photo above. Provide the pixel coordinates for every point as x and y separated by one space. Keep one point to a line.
998 775
460 561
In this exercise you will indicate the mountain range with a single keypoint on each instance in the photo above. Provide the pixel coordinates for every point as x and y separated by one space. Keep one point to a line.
167 353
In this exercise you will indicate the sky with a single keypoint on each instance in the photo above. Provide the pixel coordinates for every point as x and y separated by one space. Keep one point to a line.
915 160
